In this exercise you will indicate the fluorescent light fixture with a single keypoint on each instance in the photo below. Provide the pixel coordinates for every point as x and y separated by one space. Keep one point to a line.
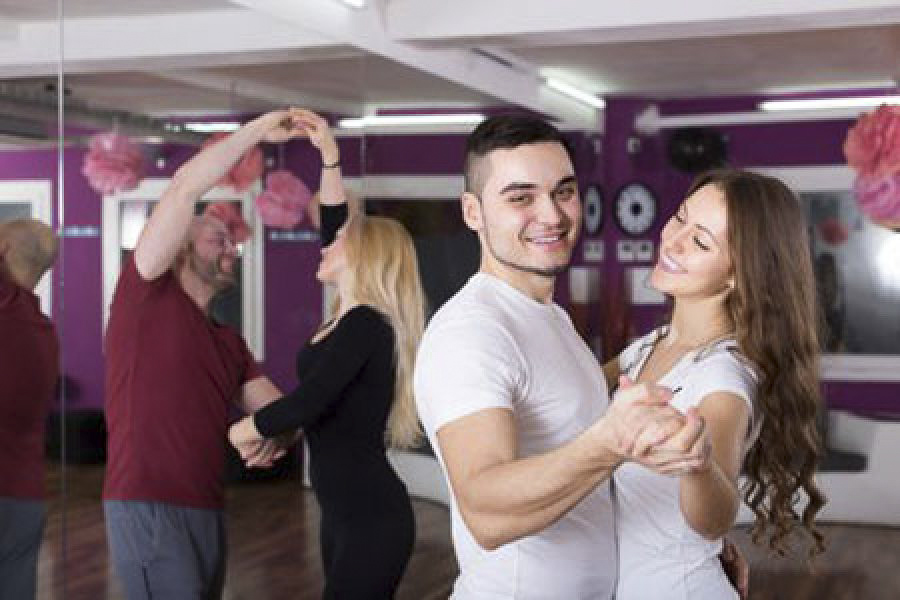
574 92
355 3
411 120
826 103
212 126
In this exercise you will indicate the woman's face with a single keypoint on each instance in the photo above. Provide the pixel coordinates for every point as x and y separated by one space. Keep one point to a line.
693 260
334 258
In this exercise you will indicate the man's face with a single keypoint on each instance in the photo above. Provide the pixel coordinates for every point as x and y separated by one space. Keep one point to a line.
212 253
528 214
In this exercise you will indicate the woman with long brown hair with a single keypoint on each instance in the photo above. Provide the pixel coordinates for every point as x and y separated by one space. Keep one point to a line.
741 352
355 393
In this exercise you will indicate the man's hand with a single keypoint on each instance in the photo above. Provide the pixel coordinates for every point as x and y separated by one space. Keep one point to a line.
262 454
688 451
255 450
639 417
647 430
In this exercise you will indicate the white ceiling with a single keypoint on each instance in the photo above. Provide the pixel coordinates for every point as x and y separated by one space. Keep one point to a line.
44 10
161 57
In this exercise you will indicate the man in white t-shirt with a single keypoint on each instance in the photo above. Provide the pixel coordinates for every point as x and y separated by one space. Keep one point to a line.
512 399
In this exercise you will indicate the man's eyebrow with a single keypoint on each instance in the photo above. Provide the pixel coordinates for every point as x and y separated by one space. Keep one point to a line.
518 186
565 181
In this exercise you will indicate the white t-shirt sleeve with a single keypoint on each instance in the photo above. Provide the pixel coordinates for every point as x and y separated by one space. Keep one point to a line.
721 372
463 366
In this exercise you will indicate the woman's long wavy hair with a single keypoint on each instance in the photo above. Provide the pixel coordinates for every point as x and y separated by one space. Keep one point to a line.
774 315
386 277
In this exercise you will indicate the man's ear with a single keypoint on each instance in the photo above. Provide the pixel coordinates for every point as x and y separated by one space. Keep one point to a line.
471 211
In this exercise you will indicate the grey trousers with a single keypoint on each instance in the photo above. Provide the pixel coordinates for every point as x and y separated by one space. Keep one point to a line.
21 530
161 551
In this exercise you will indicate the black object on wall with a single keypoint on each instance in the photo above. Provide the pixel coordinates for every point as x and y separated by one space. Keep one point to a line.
85 437
697 149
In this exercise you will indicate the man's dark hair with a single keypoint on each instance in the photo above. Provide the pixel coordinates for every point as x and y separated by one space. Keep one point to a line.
506 132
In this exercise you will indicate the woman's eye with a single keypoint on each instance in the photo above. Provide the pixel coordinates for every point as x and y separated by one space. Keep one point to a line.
701 244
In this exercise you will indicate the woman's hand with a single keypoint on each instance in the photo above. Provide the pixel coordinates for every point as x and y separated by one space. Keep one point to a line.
283 125
319 133
255 450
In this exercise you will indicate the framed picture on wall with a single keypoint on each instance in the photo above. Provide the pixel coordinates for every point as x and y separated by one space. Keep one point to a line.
857 268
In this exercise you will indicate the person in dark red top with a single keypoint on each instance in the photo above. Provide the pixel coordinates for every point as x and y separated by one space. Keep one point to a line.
171 375
29 370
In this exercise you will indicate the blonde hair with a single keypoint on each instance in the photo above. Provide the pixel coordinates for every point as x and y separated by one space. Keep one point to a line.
386 277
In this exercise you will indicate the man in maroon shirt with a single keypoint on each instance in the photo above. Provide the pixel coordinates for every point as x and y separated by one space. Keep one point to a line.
171 375
29 369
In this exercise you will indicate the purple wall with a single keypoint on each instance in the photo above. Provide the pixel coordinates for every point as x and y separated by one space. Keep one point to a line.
293 297
770 145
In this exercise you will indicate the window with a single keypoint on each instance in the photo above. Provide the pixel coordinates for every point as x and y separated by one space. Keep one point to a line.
124 216
857 267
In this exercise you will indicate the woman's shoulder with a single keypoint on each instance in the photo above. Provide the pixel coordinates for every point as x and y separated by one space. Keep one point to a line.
638 347
725 357
367 318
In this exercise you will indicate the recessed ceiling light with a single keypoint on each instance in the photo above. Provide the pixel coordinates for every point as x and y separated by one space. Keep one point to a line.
826 103
410 120
574 92
212 126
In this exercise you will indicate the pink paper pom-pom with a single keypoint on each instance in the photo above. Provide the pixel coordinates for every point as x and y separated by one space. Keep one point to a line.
872 146
113 163
248 168
833 231
879 199
227 213
284 202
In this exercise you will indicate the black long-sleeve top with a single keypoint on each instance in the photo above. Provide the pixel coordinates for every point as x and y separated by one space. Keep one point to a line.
344 395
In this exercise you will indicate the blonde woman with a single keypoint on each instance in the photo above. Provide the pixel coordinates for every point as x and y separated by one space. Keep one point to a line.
355 395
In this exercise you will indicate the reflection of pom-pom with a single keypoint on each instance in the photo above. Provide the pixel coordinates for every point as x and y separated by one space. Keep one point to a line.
228 213
833 231
879 199
872 146
245 171
113 163
285 200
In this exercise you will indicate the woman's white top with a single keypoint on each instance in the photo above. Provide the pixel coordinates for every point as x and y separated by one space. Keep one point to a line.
660 556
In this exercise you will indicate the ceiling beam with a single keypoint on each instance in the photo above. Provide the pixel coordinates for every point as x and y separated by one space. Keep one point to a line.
364 28
248 88
589 21
159 42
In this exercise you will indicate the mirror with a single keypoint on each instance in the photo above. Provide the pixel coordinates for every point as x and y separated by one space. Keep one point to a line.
32 394
147 85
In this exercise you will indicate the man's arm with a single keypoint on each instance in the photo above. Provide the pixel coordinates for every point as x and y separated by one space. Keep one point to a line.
160 240
254 395
503 497
257 393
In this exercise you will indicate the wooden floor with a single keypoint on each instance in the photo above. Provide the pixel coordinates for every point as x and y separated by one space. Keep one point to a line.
274 552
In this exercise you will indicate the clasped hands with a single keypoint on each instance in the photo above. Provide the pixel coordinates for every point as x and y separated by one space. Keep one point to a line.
642 426
255 450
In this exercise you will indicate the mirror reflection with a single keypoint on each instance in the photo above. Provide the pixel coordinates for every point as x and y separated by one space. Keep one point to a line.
217 289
